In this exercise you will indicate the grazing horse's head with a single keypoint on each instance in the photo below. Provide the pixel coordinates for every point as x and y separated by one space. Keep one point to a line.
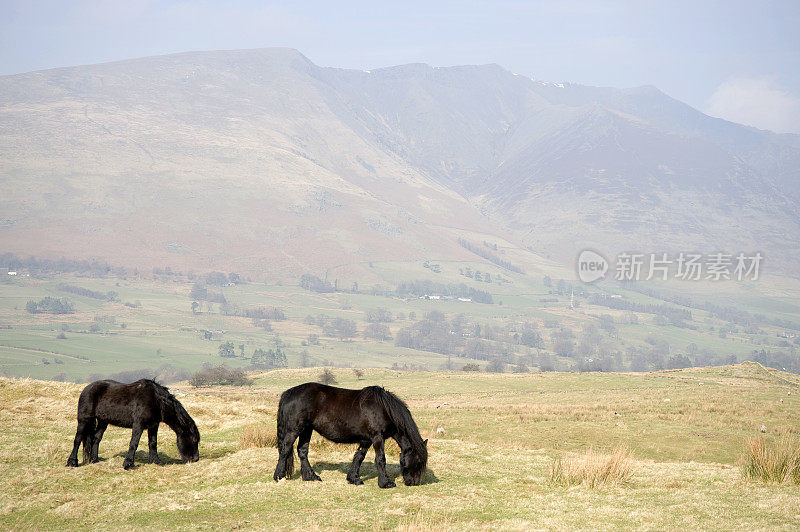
413 462
187 443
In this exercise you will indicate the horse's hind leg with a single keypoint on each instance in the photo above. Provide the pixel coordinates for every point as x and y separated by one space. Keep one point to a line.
98 435
380 464
152 441
80 437
285 465
352 475
302 451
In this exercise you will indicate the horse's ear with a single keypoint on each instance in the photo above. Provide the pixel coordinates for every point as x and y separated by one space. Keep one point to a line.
426 442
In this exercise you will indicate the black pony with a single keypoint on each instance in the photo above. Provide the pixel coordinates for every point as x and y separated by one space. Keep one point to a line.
366 417
140 405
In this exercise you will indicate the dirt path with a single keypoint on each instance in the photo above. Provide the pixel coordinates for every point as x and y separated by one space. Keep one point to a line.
44 352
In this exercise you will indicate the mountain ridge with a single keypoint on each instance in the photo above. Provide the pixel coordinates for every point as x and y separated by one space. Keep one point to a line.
262 161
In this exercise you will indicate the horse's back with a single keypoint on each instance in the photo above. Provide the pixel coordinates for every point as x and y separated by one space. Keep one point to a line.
339 414
117 403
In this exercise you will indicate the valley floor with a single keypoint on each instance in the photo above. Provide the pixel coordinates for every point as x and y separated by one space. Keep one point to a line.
490 468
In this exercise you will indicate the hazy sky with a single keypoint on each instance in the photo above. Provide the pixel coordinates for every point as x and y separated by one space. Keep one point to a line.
734 59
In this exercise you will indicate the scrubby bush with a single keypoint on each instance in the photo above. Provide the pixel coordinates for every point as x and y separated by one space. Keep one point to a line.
219 375
327 377
471 367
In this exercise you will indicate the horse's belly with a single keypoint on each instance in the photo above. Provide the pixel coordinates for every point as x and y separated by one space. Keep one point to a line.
339 434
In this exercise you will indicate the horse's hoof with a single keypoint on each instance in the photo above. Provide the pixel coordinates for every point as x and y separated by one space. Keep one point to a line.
127 465
157 462
355 481
389 484
72 463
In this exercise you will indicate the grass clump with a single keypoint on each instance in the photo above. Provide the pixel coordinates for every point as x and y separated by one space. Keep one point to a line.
257 435
776 462
593 469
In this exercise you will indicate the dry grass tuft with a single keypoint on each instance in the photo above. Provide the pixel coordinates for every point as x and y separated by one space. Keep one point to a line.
593 469
777 462
258 435
419 522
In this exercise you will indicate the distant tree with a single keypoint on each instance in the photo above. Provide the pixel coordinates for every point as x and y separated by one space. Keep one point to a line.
377 331
241 350
227 350
471 367
216 278
195 307
496 365
547 281
435 315
378 315
313 339
678 362
561 287
345 328
358 373
564 347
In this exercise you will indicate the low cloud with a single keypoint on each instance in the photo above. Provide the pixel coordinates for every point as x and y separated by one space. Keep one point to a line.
756 102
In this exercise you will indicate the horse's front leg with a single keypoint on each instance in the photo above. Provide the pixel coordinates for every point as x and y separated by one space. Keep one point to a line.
152 442
135 436
302 451
352 475
380 464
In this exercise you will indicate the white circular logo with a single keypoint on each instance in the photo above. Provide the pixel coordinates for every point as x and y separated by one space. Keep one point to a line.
592 266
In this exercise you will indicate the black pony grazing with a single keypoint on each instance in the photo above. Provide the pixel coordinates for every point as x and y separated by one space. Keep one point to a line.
366 417
140 405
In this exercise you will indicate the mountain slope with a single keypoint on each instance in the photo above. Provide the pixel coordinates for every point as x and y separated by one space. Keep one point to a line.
262 162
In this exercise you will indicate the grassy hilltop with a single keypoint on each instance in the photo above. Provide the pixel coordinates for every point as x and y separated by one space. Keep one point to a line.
490 468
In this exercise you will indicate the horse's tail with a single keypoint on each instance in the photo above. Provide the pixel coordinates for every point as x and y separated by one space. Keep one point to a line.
86 413
281 438
88 439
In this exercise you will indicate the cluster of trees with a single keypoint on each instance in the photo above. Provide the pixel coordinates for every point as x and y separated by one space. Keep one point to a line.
200 293
50 305
481 251
477 275
341 328
315 284
272 358
85 292
673 314
256 313
38 267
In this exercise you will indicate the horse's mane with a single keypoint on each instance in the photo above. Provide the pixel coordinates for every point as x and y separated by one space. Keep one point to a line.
399 414
168 400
